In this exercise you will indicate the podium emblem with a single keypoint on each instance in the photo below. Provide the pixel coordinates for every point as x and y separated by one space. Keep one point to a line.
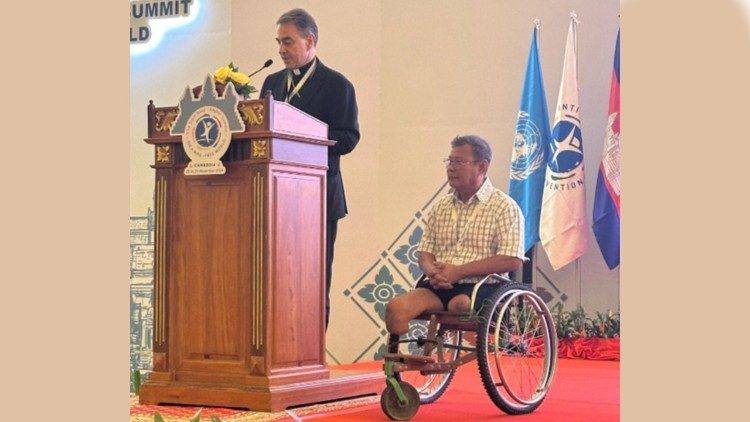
206 125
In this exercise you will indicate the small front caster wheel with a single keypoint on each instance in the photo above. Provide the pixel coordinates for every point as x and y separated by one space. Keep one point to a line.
394 408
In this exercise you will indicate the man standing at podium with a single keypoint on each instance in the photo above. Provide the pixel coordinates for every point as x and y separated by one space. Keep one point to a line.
325 94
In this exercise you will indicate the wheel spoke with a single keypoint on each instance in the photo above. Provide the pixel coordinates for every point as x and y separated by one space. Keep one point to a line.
516 359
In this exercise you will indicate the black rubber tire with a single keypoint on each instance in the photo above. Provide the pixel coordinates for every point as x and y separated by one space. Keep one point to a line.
487 325
392 406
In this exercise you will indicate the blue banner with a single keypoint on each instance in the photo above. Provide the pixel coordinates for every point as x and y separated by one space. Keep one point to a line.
529 159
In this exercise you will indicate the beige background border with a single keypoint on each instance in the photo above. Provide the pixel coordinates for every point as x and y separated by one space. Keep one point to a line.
684 296
64 207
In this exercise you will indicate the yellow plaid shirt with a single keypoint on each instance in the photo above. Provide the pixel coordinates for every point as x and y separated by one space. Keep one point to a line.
490 223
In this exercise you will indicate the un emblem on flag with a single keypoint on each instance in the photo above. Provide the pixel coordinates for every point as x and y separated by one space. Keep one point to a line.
566 147
528 153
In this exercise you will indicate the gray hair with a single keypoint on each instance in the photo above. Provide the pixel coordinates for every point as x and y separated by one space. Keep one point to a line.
303 21
479 147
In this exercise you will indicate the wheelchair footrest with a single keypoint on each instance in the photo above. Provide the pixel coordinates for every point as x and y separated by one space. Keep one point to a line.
436 368
408 358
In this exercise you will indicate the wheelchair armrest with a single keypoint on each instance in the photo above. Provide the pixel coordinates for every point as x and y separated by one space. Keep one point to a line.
493 275
475 290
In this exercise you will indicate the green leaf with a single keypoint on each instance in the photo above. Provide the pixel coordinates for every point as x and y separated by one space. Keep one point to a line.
157 417
576 323
197 416
136 376
215 419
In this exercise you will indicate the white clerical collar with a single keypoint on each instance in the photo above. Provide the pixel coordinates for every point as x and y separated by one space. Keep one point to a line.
298 71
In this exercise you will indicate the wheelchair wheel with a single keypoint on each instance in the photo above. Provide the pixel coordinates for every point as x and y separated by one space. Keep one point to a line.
429 386
392 406
516 348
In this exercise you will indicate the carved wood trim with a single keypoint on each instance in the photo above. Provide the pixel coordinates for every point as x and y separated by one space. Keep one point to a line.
258 257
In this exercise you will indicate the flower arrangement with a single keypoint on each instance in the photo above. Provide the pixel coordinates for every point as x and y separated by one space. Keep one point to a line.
576 324
241 81
583 337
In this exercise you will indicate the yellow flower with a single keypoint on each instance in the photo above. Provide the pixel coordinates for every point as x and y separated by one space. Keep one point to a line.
222 74
239 78
232 73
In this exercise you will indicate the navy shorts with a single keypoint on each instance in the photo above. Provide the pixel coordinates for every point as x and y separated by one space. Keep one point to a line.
445 295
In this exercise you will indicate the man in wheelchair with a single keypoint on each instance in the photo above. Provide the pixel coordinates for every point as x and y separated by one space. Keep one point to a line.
472 231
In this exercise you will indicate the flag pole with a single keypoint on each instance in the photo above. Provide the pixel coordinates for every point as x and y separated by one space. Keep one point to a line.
533 266
578 276
574 17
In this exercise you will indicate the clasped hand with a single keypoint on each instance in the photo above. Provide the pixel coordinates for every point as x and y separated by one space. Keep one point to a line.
442 275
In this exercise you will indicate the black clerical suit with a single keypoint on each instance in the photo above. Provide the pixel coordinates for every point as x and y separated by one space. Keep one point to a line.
328 96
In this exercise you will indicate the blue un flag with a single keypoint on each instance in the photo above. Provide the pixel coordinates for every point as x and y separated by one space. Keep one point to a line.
529 159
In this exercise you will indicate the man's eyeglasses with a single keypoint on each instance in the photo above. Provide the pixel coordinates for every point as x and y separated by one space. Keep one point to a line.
457 162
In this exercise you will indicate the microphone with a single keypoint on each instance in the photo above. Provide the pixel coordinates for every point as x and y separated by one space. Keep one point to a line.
268 62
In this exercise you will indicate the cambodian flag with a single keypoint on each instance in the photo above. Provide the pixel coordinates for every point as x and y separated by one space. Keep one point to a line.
607 199
529 161
563 228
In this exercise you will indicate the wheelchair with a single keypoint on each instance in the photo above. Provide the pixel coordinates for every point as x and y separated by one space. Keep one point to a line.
516 352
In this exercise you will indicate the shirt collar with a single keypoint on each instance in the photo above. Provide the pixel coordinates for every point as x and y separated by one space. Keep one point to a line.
482 195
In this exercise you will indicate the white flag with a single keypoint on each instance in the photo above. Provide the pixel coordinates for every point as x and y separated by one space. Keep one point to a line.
563 229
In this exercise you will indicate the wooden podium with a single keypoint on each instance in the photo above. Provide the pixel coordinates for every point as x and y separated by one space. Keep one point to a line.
239 279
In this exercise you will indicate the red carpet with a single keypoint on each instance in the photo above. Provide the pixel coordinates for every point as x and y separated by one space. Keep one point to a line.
583 390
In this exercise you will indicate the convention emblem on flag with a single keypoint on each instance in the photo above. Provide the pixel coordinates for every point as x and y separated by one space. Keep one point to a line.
206 125
566 159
